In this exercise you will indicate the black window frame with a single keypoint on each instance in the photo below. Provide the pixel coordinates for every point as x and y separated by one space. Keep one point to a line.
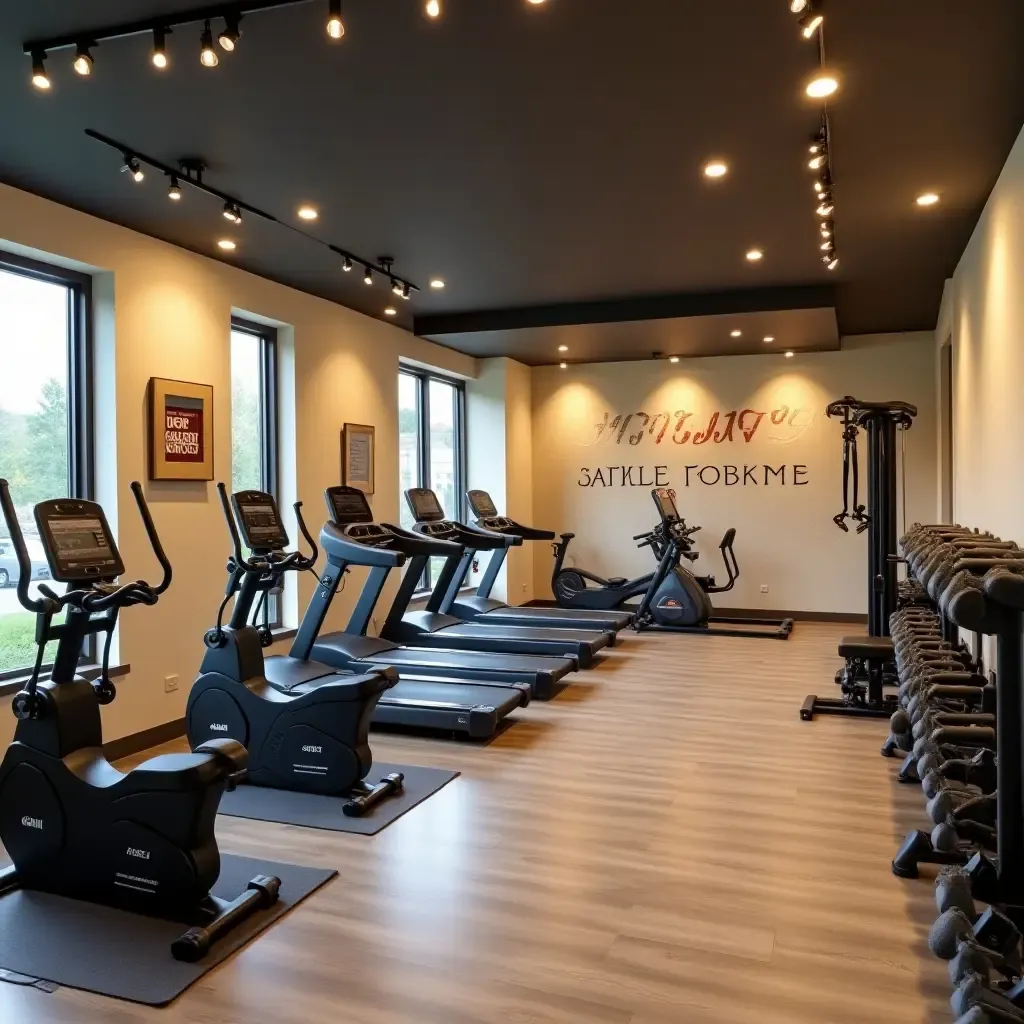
423 379
81 426
270 438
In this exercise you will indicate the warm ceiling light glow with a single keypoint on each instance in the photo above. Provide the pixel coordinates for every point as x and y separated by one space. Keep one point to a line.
928 199
347 265
208 55
817 161
561 366
833 263
535 1
134 168
716 169
437 284
810 24
563 348
673 359
159 56
735 334
822 86
227 245
308 213
796 6
335 26
391 311
768 339
826 208
40 79
755 254
368 276
789 355
433 8
174 190
83 61
228 39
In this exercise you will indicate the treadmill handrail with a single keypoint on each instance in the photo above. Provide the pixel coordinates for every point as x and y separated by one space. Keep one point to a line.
340 547
465 537
418 544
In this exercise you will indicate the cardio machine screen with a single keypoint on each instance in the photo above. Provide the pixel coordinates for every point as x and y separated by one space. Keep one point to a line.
259 521
79 548
424 505
348 505
481 504
666 502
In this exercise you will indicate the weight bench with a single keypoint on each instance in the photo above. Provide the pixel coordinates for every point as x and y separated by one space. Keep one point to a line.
863 680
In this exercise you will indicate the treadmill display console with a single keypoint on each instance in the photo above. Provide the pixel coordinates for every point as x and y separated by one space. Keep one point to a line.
665 499
498 523
367 533
481 504
347 505
77 541
424 505
259 521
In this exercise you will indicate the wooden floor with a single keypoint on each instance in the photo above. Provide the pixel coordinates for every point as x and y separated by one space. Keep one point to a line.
666 842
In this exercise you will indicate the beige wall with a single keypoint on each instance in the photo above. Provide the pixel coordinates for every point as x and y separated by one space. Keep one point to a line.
785 536
500 460
162 311
983 313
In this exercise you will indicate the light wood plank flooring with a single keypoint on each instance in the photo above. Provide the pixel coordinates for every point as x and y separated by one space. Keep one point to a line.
666 842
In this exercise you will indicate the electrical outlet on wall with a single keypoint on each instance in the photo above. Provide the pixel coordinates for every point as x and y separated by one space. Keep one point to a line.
524 588
170 684
764 588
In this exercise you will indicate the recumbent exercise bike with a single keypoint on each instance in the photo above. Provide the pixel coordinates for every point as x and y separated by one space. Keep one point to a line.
73 824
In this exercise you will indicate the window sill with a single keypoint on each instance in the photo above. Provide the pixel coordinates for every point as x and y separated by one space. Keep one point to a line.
284 633
9 686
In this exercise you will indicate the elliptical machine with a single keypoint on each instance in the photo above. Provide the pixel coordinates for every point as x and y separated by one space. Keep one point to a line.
577 588
307 725
676 601
72 823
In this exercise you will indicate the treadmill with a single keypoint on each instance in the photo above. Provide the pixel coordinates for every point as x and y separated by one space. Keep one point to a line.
352 538
481 607
449 705
431 627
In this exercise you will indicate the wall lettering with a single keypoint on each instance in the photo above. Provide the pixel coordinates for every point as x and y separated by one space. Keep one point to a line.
623 476
720 428
752 476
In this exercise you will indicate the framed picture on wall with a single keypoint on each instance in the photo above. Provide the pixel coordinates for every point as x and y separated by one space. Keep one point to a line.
180 430
358 450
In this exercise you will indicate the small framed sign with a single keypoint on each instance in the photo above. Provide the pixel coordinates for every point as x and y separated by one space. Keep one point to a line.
357 454
180 430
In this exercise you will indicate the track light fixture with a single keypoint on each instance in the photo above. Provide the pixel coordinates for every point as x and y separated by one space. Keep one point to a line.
40 79
208 55
133 167
798 6
810 23
432 9
83 60
228 39
190 172
826 208
158 58
335 26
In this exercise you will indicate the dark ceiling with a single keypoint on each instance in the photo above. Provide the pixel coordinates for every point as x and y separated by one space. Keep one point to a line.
545 155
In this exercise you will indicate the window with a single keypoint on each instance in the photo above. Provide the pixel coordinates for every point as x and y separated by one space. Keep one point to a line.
254 417
432 446
45 422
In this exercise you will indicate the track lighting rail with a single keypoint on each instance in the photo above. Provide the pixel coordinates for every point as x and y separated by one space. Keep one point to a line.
190 172
164 22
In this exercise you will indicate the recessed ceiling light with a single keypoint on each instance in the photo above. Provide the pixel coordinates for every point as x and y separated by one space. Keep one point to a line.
789 355
227 245
535 1
335 26
391 311
927 199
821 86
735 334
437 284
755 254
673 359
768 339
796 6
308 213
716 169
561 366
563 348
433 8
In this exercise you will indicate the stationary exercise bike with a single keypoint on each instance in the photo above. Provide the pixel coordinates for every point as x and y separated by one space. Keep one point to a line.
306 725
578 588
72 823
676 600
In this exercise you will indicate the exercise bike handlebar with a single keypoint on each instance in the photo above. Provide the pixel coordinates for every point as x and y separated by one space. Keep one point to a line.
18 540
154 538
236 541
297 559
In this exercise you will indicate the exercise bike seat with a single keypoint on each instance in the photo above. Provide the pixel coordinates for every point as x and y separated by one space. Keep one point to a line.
567 536
293 676
617 581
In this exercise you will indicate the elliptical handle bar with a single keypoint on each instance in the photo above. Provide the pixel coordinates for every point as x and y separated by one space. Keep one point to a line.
154 539
236 541
302 561
18 540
